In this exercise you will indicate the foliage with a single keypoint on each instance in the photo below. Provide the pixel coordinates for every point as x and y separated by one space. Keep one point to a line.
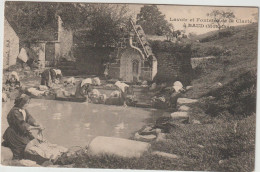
208 147
220 34
153 21
173 54
221 17
237 97
207 50
165 46
107 23
37 21
31 19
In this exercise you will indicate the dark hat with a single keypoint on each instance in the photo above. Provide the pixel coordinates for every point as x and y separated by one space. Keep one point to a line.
21 100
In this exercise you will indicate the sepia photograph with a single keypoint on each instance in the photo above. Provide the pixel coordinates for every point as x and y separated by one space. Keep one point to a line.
129 86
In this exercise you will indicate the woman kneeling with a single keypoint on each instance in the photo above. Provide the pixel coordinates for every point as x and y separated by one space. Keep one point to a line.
21 123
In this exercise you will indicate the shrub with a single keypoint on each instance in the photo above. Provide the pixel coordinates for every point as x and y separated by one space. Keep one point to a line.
173 62
220 34
225 33
215 51
170 47
238 97
203 50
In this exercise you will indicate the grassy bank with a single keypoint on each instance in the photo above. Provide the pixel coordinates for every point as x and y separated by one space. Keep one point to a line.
225 139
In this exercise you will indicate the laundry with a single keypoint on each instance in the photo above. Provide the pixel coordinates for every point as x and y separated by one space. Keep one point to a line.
35 92
177 86
122 86
96 81
23 55
86 81
44 150
115 94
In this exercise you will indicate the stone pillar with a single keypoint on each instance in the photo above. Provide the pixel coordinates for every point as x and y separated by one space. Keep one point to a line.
57 52
154 67
41 51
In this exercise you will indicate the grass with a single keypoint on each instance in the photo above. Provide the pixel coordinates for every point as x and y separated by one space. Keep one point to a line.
243 58
210 147
224 141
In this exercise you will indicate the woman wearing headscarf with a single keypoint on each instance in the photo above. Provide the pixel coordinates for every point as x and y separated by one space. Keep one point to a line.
49 76
83 89
21 123
13 80
122 88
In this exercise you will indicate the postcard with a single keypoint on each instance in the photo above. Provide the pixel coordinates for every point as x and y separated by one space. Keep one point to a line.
129 86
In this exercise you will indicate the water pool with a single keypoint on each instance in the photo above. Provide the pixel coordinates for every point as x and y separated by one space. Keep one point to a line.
76 124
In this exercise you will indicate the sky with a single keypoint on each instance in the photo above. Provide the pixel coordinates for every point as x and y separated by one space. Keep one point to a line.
172 12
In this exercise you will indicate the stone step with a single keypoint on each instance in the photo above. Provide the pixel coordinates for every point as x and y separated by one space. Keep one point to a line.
144 102
143 105
143 93
140 96
67 67
67 63
140 88
147 99
70 72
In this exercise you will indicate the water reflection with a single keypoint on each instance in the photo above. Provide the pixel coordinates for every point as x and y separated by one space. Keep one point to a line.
75 124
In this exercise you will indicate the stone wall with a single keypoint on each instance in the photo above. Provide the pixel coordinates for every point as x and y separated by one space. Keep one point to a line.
174 61
120 69
172 67
11 45
39 48
114 71
65 37
127 58
90 60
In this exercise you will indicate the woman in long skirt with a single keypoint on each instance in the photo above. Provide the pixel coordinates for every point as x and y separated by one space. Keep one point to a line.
21 123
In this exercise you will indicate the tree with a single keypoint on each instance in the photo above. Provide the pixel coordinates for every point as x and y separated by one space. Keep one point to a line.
153 21
169 32
31 19
107 21
221 18
38 20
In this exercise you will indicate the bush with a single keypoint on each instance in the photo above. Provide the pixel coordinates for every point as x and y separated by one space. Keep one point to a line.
225 33
173 62
203 50
238 97
165 46
220 34
215 51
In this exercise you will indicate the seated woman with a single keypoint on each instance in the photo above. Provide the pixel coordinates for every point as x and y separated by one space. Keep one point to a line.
13 80
119 96
21 123
57 75
122 87
83 89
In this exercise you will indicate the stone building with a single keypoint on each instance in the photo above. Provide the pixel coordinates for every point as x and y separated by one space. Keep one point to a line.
11 45
51 51
135 60
51 45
